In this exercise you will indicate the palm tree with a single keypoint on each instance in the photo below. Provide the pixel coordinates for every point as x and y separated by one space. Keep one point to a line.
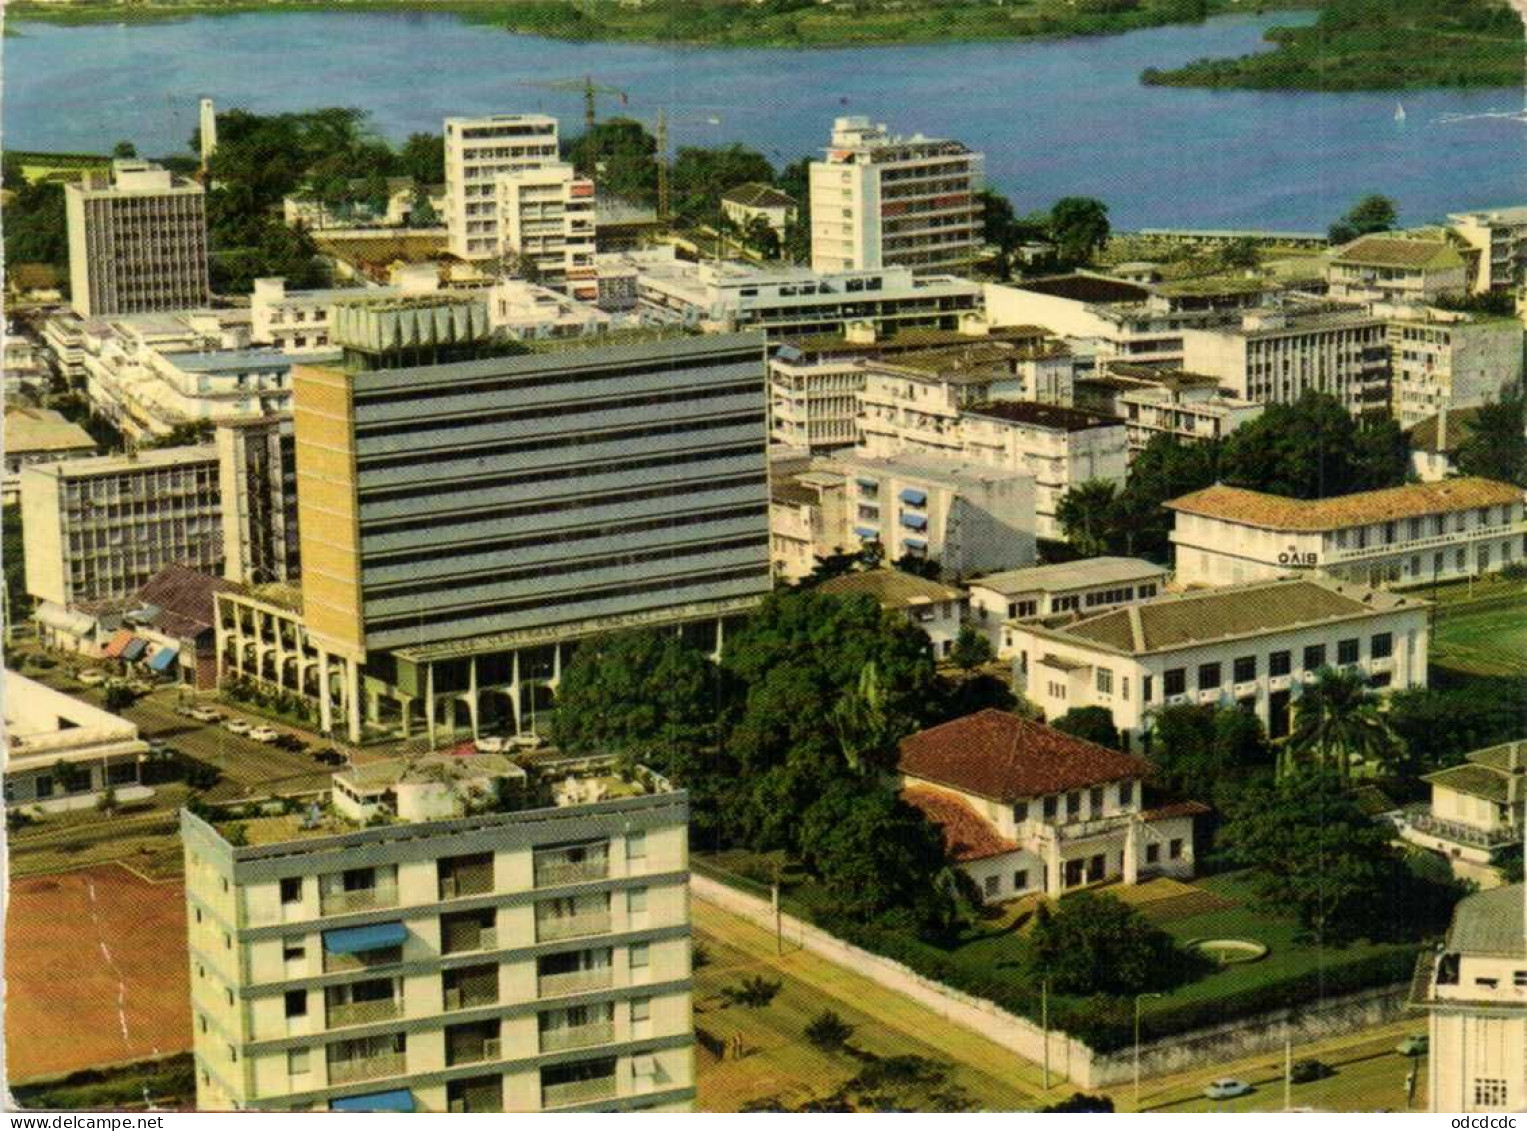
1338 716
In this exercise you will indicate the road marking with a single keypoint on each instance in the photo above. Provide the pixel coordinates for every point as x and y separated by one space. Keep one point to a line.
111 963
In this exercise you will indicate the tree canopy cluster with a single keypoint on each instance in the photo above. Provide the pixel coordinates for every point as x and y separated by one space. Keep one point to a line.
1311 449
1077 226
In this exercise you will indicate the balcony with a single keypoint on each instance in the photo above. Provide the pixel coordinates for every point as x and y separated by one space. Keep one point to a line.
1445 540
572 927
1420 818
551 873
361 899
490 1049
577 1036
454 887
362 1012
577 1092
457 998
574 982
367 1068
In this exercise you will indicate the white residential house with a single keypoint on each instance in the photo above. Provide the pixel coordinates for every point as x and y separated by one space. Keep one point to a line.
1250 646
1027 809
752 201
998 600
1396 270
1419 532
932 606
1474 989
1476 808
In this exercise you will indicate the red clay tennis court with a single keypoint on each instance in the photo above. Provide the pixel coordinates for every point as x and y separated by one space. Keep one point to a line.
95 968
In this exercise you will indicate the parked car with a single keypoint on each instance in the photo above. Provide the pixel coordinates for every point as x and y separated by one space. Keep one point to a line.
187 709
1227 1089
291 742
1304 1071
264 734
140 687
237 726
329 757
91 677
206 714
491 744
1416 1044
530 740
159 748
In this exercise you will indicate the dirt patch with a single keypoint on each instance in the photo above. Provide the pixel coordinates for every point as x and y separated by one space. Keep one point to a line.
96 971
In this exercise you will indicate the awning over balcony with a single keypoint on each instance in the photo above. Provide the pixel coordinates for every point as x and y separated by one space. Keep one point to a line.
866 481
914 543
358 940
914 522
164 659
117 643
866 532
915 497
134 648
400 1100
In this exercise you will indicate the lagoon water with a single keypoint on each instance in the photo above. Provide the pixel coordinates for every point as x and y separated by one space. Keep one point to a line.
1055 118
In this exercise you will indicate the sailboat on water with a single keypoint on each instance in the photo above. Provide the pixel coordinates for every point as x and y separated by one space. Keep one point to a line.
1399 112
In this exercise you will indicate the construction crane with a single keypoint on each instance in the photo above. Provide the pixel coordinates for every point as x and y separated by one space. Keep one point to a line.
590 89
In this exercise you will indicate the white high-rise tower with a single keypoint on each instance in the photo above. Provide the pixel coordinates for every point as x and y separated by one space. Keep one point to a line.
208 131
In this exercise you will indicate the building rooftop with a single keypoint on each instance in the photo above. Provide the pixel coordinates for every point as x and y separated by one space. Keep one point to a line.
1208 285
892 588
1443 434
1132 373
756 195
1513 214
1489 922
221 361
144 460
1006 758
1401 253
184 599
1057 418
47 725
1486 773
967 835
908 342
42 430
1070 575
1204 616
789 492
1081 287
1275 512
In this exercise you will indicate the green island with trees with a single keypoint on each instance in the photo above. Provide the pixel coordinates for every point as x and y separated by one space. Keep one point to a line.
1354 45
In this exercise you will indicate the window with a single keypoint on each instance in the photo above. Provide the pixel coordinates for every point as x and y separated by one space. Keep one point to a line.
636 901
1152 853
1381 647
639 956
1245 669
1105 681
297 1062
1278 663
1174 682
636 846
198 914
1174 850
1021 879
296 1003
641 1010
293 951
1074 804
1519 977
291 889
1148 687
993 886
1050 807
1020 811
1208 677
1126 793
1489 1092
1314 657
1095 801
1347 651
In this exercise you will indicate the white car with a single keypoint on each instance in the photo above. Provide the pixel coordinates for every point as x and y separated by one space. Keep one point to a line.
205 714
264 734
238 726
491 744
1227 1089
92 676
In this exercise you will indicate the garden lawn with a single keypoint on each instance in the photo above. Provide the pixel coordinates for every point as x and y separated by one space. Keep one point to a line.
1483 636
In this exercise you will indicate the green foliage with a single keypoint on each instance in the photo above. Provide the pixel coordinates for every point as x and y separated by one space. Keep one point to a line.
1240 255
107 802
119 697
1315 854
754 991
1087 514
1094 724
236 834
1369 215
184 434
13 554
795 181
1313 449
972 648
828 1032
1496 444
1098 944
1079 227
701 176
423 158
35 227
621 155
1337 717
1436 726
1500 303
1080 1102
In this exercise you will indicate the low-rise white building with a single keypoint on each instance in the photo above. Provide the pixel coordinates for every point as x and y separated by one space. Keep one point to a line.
39 435
1396 270
1435 441
1027 809
1474 987
932 606
1499 239
753 201
999 600
62 753
1156 401
529 310
1251 646
1476 809
1419 532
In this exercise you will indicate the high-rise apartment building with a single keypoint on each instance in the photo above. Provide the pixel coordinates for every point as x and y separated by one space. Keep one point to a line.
546 215
477 152
448 934
257 477
461 523
137 241
100 528
1499 237
879 200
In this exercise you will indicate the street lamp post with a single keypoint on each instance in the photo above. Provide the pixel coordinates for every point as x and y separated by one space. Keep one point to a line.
1138 999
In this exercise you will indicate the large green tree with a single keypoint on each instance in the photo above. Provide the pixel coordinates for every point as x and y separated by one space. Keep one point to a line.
1313 854
1079 227
1095 724
1373 213
1206 752
1496 444
621 155
701 176
1097 944
1313 449
1087 517
1337 718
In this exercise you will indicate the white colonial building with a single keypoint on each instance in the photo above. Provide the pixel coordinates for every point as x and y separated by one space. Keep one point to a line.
932 606
1420 532
1251 646
1027 809
1000 599
1476 808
